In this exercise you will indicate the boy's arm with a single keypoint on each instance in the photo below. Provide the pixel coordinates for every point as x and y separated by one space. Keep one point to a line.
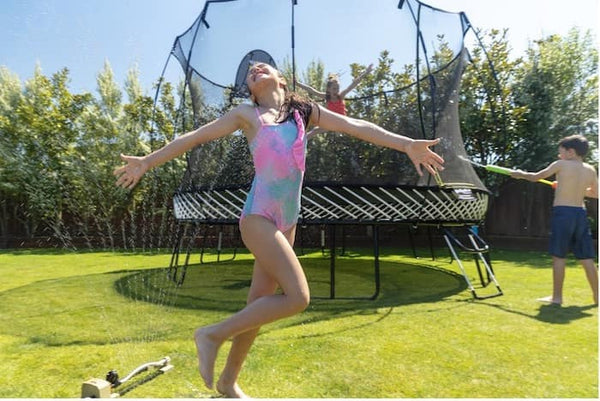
540 175
592 191
355 83
311 90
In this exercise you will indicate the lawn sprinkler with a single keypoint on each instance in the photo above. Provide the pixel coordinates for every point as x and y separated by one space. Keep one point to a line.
110 387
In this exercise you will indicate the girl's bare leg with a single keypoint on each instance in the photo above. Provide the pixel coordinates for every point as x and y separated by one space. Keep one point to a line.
277 259
262 285
227 384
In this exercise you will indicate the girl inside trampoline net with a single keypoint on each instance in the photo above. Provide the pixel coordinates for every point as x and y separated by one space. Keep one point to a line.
274 127
334 98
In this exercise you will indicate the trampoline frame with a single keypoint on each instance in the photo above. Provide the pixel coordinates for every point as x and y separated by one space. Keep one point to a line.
446 208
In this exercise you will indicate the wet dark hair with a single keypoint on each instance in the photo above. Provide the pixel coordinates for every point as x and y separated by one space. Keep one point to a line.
294 101
576 142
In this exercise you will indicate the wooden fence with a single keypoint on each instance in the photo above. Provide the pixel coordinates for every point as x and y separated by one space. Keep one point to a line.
519 215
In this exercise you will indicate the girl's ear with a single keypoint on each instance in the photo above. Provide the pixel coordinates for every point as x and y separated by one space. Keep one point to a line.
282 82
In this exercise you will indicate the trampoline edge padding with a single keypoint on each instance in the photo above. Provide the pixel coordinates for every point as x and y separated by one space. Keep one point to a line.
347 204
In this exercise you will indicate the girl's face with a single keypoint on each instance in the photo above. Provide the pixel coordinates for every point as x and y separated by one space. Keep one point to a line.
333 87
261 74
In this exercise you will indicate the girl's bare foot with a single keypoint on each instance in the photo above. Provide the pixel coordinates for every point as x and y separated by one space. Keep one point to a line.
230 391
207 349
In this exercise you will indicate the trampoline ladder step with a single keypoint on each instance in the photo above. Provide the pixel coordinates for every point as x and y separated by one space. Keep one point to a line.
480 251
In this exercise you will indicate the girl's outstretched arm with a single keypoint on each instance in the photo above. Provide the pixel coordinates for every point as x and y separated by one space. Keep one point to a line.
417 150
130 174
355 83
311 90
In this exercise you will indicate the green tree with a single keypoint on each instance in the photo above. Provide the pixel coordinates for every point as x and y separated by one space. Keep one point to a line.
58 153
93 198
11 187
490 117
558 85
46 124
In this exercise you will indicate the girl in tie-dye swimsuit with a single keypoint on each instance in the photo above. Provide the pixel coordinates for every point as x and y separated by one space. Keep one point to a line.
278 151
279 287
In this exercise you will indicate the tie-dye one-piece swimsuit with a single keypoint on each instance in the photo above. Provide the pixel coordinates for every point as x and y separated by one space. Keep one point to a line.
278 152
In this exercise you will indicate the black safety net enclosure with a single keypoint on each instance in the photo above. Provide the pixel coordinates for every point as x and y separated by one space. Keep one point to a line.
418 55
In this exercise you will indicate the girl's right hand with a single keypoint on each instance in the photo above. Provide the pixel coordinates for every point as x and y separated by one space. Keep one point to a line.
131 173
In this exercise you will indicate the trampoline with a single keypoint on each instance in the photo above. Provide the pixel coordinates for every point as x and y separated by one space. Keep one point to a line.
421 54
329 205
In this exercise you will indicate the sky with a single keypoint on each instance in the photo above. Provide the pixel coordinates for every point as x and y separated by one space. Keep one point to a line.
82 34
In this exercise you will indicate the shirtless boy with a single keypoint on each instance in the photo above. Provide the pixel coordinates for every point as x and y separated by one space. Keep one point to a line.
570 228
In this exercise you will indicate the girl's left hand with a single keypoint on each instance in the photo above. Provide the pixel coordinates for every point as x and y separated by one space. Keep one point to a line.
131 173
419 153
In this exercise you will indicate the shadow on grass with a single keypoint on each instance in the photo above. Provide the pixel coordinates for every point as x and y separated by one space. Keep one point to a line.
223 286
551 313
97 308
557 314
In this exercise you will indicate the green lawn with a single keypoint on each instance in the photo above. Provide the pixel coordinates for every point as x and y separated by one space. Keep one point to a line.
67 317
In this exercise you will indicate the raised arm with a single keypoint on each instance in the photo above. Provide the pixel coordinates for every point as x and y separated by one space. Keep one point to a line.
417 150
136 166
311 90
356 81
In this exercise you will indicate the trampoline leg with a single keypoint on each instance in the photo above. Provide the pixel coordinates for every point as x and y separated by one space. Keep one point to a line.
411 239
300 231
179 281
332 263
206 227
431 250
172 272
219 244
376 261
331 260
323 241
237 239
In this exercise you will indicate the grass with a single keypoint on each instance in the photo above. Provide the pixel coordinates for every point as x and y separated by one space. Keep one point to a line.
67 317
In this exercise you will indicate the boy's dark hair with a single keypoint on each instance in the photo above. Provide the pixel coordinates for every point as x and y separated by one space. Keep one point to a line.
577 142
